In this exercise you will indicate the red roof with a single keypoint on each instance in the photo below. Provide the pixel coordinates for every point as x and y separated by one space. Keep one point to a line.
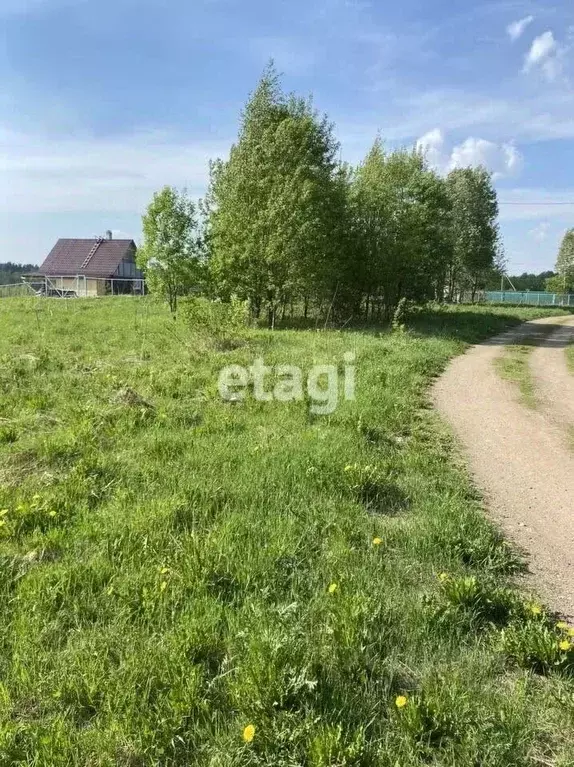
93 258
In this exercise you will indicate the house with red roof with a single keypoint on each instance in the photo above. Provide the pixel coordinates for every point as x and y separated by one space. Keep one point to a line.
96 267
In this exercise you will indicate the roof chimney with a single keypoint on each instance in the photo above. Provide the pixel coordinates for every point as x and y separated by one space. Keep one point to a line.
109 234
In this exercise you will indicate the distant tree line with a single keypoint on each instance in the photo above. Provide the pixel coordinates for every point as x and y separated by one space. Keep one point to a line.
287 227
521 282
11 273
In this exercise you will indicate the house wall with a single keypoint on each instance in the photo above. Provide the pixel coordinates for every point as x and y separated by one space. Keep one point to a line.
128 268
84 288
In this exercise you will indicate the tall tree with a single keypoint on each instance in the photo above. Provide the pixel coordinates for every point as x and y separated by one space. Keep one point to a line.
403 222
171 254
475 231
565 261
276 205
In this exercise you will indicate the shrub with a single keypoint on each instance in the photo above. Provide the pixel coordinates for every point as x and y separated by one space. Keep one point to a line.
222 322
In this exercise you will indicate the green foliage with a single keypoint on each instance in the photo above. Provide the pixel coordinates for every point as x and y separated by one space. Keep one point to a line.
10 273
403 217
538 645
222 321
277 205
560 284
286 226
565 260
522 282
484 602
171 251
181 591
475 231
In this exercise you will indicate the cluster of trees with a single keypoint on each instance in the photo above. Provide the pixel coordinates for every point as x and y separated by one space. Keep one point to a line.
10 273
285 225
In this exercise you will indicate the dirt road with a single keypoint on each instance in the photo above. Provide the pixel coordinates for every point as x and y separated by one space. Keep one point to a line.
522 459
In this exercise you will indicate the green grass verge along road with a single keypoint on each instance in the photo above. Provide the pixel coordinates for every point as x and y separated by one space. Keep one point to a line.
187 581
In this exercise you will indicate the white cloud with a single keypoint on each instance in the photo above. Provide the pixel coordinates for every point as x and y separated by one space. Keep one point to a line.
546 55
501 159
540 232
432 144
87 174
542 47
533 116
517 28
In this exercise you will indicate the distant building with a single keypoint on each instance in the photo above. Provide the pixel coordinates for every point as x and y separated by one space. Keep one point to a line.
98 267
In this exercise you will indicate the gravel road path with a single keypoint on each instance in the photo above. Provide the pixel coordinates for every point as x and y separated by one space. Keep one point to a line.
522 459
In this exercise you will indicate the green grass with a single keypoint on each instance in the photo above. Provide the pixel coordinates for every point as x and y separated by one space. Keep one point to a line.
166 562
513 365
569 351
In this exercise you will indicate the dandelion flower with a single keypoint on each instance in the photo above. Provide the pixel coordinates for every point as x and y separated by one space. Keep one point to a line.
332 588
52 514
571 632
163 586
443 577
562 625
249 733
565 645
535 609
401 701
377 541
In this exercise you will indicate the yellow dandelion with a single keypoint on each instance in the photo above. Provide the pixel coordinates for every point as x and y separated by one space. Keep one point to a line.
163 586
535 609
571 632
401 701
565 645
377 541
52 514
332 588
249 733
562 625
443 577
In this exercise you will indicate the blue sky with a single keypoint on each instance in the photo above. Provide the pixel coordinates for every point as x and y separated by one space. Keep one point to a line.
104 101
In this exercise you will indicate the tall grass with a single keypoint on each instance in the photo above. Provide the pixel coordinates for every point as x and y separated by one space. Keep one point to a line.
176 569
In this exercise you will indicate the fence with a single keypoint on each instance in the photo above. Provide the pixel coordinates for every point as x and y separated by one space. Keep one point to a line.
79 286
17 291
528 298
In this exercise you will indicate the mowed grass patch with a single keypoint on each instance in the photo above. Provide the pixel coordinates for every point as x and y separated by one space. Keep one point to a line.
176 569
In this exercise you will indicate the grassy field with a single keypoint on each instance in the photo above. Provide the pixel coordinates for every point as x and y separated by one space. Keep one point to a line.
187 581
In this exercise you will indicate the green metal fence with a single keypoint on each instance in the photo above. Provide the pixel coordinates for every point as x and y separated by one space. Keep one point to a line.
527 297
